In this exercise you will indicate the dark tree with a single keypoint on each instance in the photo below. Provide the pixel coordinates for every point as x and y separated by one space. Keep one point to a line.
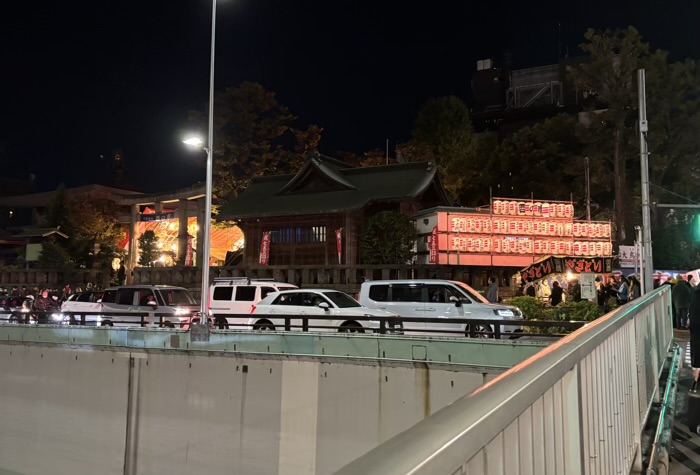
388 238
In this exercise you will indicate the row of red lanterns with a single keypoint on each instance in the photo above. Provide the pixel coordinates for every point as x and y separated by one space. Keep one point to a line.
504 245
533 208
467 224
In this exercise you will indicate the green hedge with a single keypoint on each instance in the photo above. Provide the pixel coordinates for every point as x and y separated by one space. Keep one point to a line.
534 309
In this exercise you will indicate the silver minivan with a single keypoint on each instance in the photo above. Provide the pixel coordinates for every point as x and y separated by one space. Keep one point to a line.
441 300
174 304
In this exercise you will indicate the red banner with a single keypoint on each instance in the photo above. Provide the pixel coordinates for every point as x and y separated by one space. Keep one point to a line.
265 249
434 246
189 256
339 244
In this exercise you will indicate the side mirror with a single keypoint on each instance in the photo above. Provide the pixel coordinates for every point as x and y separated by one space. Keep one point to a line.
456 301
323 305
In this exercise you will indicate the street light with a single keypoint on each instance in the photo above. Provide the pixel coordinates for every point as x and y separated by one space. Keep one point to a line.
197 142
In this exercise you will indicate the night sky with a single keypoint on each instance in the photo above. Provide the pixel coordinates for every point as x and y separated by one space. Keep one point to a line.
80 79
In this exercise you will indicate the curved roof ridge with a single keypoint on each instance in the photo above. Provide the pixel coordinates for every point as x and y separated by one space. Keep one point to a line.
316 163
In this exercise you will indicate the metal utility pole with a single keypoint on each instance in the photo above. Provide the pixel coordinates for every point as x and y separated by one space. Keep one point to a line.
638 259
387 151
588 189
647 273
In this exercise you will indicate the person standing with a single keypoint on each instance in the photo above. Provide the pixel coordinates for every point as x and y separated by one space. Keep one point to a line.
556 296
67 292
575 291
635 288
623 291
121 274
682 294
43 305
492 292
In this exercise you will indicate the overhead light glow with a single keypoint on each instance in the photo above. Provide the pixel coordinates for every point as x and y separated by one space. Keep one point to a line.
193 142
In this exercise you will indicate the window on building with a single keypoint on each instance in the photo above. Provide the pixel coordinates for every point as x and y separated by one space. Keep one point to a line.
311 235
282 236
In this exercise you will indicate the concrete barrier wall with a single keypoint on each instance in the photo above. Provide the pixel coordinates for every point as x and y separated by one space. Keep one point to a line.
62 411
67 410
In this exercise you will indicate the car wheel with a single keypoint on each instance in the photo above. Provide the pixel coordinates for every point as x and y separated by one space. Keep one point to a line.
264 325
169 325
106 323
480 331
14 319
351 327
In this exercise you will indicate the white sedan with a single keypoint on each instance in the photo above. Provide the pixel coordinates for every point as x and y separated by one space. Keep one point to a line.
332 309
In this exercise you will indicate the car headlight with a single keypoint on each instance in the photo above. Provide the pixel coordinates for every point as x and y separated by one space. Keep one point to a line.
504 312
57 317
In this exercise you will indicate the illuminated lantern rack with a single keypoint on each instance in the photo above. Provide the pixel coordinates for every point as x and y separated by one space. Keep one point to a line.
524 228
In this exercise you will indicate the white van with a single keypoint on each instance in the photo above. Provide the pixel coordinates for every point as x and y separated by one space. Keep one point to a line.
232 298
438 299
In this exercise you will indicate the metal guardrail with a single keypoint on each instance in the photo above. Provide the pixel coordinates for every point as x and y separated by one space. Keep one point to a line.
577 407
476 328
660 453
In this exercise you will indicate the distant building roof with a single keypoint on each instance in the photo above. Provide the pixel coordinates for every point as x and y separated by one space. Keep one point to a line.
327 185
39 200
31 232
7 238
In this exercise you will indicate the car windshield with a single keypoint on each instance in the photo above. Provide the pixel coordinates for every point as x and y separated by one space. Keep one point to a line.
342 300
174 297
473 294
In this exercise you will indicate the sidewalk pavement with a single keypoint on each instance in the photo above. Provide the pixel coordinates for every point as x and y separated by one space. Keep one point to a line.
685 452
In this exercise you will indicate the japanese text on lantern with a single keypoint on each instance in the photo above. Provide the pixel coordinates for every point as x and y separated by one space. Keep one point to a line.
529 227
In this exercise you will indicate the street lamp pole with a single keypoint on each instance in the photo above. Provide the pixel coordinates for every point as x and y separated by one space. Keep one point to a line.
205 246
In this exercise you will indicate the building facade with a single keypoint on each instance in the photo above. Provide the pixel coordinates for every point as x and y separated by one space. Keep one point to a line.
315 217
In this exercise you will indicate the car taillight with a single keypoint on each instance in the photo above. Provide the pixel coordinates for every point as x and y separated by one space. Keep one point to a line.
252 309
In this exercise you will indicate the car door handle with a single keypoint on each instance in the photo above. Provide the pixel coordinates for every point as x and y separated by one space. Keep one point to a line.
419 309
430 309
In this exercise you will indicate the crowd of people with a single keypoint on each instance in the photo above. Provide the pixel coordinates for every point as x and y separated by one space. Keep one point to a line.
39 300
609 291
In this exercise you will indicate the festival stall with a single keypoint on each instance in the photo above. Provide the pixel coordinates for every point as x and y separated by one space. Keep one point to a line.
543 273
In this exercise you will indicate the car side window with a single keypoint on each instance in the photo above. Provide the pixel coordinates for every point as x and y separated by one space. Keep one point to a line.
245 293
266 290
125 296
223 293
110 296
406 293
310 299
379 293
83 297
144 295
95 296
293 298
442 294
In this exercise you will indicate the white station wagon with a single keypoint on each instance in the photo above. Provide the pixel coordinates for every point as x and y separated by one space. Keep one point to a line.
342 313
